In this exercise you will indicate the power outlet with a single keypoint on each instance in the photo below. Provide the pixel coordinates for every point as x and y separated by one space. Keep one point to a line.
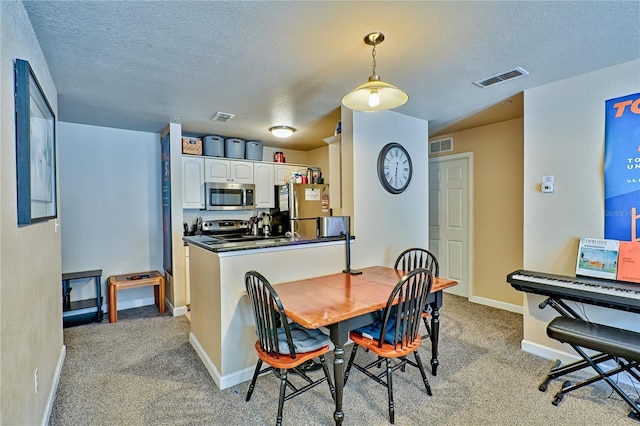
35 381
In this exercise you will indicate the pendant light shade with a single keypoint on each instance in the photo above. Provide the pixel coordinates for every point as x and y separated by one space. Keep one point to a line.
375 95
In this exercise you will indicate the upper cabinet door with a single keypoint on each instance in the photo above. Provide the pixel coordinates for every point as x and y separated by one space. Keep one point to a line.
281 172
217 170
192 183
265 190
241 171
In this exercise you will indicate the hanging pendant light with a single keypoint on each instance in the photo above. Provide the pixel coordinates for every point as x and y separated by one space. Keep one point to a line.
376 95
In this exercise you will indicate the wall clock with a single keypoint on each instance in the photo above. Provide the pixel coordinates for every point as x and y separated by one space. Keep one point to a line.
394 168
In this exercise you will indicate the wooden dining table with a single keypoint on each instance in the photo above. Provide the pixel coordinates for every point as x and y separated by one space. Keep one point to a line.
343 302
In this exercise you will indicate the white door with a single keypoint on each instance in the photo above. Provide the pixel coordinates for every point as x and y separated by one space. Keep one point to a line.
449 218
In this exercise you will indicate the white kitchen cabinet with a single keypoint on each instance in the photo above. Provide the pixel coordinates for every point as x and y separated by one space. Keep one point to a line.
264 181
283 171
221 170
192 182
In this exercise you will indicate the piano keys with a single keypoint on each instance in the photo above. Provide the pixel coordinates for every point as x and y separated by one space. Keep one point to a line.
594 291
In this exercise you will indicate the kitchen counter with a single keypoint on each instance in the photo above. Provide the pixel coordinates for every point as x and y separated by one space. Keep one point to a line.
222 325
218 246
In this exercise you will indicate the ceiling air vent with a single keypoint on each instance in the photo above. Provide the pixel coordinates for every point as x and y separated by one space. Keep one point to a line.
502 77
441 145
222 116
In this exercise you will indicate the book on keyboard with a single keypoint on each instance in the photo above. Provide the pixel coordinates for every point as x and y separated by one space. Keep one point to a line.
598 258
629 261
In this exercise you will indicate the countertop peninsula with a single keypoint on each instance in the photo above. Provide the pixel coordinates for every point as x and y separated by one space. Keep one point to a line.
218 246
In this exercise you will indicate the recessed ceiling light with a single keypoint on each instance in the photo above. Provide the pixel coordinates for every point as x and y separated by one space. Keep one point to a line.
282 131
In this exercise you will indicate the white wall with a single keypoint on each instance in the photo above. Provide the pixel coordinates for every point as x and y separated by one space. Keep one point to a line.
564 137
30 281
386 224
110 194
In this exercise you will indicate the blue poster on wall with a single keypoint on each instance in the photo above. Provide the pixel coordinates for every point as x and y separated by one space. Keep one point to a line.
622 169
166 204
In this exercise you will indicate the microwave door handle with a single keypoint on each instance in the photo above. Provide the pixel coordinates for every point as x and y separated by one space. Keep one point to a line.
244 198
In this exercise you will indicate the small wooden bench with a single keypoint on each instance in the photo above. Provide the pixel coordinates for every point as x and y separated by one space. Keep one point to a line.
139 279
621 346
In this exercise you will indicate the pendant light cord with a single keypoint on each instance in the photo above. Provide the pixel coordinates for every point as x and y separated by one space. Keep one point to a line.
373 56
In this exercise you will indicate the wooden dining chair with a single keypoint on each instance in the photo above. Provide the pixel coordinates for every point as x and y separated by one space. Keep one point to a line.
396 335
283 346
419 258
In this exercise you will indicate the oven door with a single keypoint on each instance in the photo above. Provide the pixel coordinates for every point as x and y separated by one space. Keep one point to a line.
229 196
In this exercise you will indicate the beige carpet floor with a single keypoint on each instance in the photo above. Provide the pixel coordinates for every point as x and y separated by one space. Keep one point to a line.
143 371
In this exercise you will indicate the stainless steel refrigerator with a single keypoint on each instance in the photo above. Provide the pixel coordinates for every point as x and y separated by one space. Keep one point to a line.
305 204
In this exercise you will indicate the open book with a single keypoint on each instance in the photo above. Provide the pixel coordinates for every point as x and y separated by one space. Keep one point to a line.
598 258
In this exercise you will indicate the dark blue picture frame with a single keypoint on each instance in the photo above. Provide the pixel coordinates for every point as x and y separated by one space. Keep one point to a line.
35 149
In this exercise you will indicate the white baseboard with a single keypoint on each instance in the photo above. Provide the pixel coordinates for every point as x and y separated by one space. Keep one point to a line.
176 311
222 382
182 310
497 304
54 386
565 357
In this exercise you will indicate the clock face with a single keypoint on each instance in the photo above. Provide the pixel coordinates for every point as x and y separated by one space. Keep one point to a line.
394 168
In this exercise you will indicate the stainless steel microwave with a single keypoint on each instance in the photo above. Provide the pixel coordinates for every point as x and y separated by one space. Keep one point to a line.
229 196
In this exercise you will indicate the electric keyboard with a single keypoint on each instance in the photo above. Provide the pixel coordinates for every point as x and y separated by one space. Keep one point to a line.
608 293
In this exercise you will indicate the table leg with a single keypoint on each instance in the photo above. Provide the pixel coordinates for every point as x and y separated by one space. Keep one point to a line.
435 331
339 338
161 296
99 313
338 373
113 302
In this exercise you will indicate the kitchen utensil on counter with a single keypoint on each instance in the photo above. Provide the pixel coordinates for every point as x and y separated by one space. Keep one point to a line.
333 226
185 225
266 224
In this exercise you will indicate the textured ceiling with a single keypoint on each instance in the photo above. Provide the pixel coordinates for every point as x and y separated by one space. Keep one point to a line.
141 64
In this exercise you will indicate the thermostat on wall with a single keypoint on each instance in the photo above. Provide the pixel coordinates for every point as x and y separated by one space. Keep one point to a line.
547 184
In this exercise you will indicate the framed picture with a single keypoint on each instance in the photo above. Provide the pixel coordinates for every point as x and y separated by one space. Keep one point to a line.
35 149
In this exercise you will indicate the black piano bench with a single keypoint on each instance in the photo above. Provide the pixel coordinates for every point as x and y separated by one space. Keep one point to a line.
622 346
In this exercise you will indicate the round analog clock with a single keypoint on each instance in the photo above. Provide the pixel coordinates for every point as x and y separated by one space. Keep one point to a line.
394 168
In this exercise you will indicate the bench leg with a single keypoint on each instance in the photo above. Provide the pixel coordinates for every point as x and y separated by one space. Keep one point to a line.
113 304
602 375
559 370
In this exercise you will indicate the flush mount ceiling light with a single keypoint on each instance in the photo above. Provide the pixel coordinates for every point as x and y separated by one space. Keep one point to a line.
282 131
376 95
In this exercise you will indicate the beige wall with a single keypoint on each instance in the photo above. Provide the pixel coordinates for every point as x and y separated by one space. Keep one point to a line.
497 206
320 157
564 137
30 259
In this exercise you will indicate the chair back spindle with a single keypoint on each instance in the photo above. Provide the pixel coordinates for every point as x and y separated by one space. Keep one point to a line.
269 314
411 294
418 258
